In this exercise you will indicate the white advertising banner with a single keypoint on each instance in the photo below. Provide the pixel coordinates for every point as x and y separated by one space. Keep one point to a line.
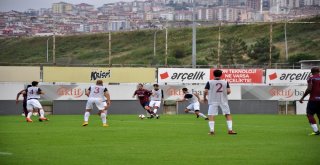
10 91
287 76
77 92
117 92
124 92
301 108
174 92
183 75
281 93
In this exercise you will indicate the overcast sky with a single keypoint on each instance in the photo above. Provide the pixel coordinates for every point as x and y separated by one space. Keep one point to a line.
23 5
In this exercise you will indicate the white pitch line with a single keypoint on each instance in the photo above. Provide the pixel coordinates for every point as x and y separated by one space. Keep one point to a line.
5 153
237 125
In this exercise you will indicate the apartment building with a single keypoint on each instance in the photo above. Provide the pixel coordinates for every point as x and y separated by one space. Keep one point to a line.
62 8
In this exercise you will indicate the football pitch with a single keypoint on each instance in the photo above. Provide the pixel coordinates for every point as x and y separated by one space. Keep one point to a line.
172 139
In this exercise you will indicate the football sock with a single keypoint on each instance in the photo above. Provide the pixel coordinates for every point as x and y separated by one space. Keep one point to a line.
211 126
229 124
29 115
191 112
314 127
150 112
202 115
86 116
311 119
26 113
155 110
41 113
103 118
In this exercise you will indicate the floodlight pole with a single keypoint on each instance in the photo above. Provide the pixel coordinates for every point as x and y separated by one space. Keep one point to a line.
54 49
166 52
154 43
109 57
219 44
270 46
194 47
48 49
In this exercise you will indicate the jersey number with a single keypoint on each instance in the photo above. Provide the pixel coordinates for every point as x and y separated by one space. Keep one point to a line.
96 90
219 89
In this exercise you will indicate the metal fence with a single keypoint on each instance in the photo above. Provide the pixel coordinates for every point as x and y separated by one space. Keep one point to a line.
231 66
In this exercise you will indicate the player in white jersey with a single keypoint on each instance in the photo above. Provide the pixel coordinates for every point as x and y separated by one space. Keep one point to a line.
194 105
156 99
97 94
33 104
217 91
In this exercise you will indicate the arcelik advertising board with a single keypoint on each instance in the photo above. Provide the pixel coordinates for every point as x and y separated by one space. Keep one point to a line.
186 75
87 74
182 75
287 76
241 76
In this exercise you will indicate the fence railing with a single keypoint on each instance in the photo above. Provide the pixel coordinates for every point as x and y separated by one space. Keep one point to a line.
229 66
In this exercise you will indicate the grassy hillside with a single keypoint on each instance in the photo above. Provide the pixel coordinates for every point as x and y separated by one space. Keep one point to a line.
137 47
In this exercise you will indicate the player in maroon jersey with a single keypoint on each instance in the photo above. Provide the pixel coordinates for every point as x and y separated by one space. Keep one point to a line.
24 102
313 106
143 96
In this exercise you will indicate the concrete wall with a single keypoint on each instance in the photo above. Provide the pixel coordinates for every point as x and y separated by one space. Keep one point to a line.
62 107
9 107
117 107
242 107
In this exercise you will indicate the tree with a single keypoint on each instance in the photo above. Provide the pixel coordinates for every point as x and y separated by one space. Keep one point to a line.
233 50
259 52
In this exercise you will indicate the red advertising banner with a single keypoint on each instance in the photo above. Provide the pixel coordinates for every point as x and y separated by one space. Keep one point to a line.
241 76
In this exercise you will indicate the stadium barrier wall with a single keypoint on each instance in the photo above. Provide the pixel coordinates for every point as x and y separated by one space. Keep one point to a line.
134 107
64 107
241 107
68 107
9 107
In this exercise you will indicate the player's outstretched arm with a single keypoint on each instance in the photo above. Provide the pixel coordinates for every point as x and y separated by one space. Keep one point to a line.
107 95
205 93
198 97
18 95
308 90
228 91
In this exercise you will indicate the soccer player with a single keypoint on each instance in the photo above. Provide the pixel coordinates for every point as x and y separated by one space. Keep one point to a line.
97 94
33 94
156 99
313 106
143 96
24 102
217 91
194 105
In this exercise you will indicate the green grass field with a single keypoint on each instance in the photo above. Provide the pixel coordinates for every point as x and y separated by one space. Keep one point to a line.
176 139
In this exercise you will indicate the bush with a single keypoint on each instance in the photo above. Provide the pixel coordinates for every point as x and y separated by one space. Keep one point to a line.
301 56
179 53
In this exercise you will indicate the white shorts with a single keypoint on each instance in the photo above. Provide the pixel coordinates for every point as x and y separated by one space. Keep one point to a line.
194 106
213 109
33 104
154 103
100 104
